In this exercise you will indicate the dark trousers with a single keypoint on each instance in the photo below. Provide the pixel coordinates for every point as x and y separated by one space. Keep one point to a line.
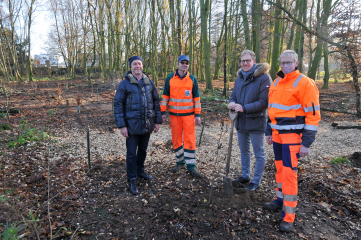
135 159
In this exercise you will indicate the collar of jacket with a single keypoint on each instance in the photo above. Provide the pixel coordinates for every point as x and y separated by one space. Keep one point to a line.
282 75
262 68
181 77
291 76
133 79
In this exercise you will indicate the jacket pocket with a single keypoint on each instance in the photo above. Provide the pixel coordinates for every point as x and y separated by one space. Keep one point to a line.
134 126
255 122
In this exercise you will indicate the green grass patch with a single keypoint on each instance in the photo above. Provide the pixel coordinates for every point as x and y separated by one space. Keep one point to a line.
340 160
11 231
5 126
55 78
28 134
2 115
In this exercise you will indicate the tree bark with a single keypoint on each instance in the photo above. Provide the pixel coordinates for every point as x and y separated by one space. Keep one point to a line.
247 36
206 49
276 42
325 63
256 21
225 80
30 69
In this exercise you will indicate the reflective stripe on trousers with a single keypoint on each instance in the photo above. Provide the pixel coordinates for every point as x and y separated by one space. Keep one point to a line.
184 127
286 148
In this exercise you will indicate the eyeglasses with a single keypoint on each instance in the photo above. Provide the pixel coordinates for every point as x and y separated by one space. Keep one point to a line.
286 63
246 61
184 62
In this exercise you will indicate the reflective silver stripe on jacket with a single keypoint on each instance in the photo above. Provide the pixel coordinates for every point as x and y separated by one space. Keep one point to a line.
181 100
290 210
276 82
279 185
295 83
165 99
287 127
180 107
164 103
284 107
197 101
310 109
310 127
290 198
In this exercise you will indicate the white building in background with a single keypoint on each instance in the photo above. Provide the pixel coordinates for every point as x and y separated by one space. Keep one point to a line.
46 60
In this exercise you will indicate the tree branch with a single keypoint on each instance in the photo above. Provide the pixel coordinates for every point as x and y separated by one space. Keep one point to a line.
315 33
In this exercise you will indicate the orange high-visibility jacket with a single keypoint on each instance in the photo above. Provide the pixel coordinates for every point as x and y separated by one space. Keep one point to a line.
293 106
181 96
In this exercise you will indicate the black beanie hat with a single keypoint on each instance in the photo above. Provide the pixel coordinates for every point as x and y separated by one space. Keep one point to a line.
134 58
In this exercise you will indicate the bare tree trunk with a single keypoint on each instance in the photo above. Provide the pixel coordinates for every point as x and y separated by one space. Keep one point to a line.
354 73
247 36
29 27
226 81
325 63
190 38
256 21
276 42
206 48
179 27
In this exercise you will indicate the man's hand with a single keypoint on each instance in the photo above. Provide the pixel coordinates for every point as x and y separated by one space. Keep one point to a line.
164 118
231 105
156 127
198 121
269 139
304 151
124 132
238 108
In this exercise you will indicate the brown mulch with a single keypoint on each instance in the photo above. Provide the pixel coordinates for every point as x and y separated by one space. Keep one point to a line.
97 204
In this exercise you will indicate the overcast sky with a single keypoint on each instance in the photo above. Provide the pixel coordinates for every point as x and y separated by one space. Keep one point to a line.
40 29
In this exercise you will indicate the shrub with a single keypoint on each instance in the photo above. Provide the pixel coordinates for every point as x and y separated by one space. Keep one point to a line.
340 160
28 134
11 232
51 113
5 126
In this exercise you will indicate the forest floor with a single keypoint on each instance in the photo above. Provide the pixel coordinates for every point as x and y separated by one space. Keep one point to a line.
48 183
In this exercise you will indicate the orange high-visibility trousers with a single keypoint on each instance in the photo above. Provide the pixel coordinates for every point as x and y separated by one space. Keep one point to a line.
286 148
184 127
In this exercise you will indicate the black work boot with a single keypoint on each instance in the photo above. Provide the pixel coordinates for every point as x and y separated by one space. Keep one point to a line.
178 167
145 176
251 187
242 180
286 226
133 186
194 173
272 206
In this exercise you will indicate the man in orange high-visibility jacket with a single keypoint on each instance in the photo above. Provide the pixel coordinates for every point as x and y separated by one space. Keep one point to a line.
293 116
181 95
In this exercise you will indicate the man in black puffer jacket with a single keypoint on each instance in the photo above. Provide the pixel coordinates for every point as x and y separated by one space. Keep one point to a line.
250 99
137 114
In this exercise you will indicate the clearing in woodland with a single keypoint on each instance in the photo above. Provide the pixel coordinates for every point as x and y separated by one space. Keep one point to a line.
48 191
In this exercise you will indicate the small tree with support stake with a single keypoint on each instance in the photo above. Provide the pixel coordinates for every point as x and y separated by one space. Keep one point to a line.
79 100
